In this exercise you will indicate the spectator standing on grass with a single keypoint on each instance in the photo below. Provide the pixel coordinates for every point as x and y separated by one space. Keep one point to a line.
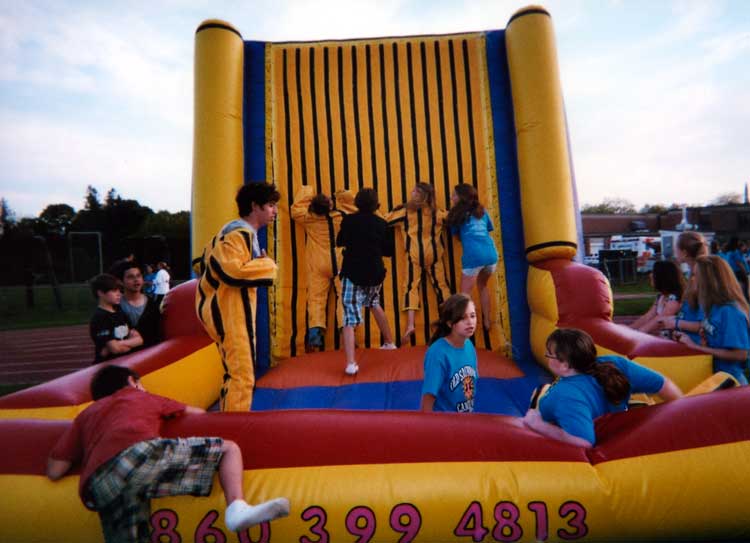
109 327
161 281
142 312
148 280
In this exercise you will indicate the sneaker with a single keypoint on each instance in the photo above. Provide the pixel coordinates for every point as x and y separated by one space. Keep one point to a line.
351 368
388 346
240 515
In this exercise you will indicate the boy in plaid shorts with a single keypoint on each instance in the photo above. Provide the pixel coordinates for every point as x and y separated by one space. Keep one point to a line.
366 239
124 462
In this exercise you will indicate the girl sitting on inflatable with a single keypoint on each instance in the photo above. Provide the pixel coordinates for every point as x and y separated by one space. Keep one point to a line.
588 387
689 247
724 330
668 281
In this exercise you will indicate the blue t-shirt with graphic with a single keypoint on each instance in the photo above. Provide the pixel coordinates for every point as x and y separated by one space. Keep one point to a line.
450 374
691 314
726 327
572 403
478 247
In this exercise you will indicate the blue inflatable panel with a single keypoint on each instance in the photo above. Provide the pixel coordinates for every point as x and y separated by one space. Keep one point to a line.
497 396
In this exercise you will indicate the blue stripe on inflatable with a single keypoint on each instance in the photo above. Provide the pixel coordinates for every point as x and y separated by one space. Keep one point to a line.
498 396
254 135
506 166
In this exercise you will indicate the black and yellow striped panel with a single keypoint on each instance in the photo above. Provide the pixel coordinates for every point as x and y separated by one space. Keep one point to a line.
382 113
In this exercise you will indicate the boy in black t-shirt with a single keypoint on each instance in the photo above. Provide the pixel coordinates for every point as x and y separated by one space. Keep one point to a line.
366 239
109 329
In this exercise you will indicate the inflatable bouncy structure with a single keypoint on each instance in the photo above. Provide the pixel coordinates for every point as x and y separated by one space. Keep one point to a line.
483 108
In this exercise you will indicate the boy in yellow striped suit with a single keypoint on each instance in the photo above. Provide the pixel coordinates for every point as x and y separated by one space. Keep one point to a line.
232 266
321 218
422 223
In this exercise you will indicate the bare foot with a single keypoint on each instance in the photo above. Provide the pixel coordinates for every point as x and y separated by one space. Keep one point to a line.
407 334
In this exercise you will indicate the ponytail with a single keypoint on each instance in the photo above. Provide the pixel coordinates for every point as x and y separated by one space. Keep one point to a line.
577 348
616 386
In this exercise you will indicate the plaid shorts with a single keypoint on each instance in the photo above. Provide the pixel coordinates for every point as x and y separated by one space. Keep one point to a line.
354 298
121 489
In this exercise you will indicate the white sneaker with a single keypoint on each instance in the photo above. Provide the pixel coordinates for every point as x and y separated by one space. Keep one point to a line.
240 515
388 346
352 368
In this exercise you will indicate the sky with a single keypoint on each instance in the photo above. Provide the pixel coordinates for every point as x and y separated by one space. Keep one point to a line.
101 93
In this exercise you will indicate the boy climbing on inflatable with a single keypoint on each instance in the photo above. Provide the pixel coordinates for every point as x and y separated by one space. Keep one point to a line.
125 462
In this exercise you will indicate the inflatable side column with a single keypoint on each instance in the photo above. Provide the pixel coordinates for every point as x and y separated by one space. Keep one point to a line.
218 163
546 186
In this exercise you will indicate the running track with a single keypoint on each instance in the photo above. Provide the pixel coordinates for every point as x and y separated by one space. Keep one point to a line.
43 354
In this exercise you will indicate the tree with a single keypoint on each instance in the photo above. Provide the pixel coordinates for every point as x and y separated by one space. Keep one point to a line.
654 208
7 216
112 198
727 198
172 225
57 218
618 206
92 199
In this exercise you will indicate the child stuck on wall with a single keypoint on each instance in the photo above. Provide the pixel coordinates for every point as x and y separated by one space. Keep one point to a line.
422 223
321 218
469 221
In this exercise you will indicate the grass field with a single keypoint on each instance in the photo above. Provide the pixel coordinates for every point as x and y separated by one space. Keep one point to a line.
76 300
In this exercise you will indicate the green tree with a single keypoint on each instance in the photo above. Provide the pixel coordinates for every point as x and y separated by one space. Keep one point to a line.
727 198
172 225
654 208
618 206
91 199
7 216
57 218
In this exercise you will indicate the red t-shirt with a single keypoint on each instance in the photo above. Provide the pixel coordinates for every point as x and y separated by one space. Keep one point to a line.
112 424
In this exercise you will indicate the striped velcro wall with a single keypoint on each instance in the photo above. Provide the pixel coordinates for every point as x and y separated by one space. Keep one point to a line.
381 113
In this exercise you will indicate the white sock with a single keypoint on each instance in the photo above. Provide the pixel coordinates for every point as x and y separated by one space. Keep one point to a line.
240 515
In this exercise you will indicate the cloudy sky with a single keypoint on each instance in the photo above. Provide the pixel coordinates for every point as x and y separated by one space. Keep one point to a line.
100 93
